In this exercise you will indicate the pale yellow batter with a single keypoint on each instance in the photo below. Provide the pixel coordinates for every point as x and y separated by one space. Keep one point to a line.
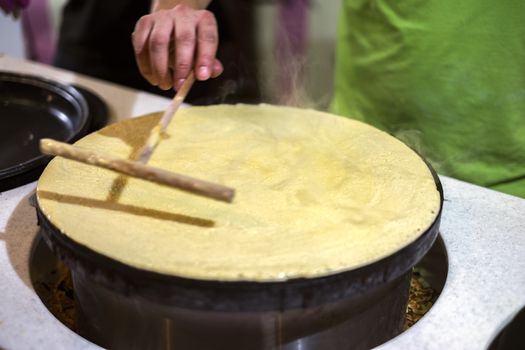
315 194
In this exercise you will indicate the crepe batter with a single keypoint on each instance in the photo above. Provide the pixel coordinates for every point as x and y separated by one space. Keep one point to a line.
316 194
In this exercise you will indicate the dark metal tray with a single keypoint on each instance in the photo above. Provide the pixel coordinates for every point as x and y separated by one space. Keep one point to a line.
31 108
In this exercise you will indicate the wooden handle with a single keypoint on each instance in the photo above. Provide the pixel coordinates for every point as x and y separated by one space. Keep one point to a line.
141 171
154 135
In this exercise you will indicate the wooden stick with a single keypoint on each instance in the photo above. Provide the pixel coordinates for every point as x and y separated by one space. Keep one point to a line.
154 135
141 171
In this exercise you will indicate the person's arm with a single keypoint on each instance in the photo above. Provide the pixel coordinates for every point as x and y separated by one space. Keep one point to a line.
177 36
169 4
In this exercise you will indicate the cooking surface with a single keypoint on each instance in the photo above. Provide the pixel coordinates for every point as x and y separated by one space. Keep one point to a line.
316 194
483 232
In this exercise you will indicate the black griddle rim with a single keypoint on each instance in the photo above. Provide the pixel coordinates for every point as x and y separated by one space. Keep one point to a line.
238 296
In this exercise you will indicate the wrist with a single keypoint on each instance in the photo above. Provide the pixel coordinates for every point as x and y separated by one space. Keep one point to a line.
158 5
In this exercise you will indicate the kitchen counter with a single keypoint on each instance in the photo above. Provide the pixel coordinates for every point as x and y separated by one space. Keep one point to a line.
483 232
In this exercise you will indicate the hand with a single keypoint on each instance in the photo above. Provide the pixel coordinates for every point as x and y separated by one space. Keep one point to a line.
13 6
169 43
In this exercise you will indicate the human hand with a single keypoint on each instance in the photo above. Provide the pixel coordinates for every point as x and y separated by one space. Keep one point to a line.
13 6
169 43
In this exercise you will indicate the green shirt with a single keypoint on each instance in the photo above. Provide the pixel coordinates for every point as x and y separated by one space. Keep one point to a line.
447 77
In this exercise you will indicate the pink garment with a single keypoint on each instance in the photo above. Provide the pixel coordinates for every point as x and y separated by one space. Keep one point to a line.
13 6
38 32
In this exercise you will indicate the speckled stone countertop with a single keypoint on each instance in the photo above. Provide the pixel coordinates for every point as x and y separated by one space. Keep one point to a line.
483 231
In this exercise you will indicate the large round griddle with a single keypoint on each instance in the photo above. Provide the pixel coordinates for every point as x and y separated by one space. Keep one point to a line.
31 108
239 296
122 305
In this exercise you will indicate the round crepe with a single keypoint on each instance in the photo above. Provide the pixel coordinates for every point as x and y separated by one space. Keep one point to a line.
316 194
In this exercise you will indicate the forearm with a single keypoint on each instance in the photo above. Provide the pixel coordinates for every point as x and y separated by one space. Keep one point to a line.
168 4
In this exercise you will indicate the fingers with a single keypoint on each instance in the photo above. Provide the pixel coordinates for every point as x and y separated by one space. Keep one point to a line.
185 38
208 41
158 46
217 69
140 45
169 43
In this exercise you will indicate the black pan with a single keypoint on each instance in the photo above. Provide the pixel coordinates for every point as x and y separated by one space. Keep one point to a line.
31 108
124 307
236 296
121 306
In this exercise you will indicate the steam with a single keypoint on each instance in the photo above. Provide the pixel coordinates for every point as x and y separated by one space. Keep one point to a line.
413 138
286 64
